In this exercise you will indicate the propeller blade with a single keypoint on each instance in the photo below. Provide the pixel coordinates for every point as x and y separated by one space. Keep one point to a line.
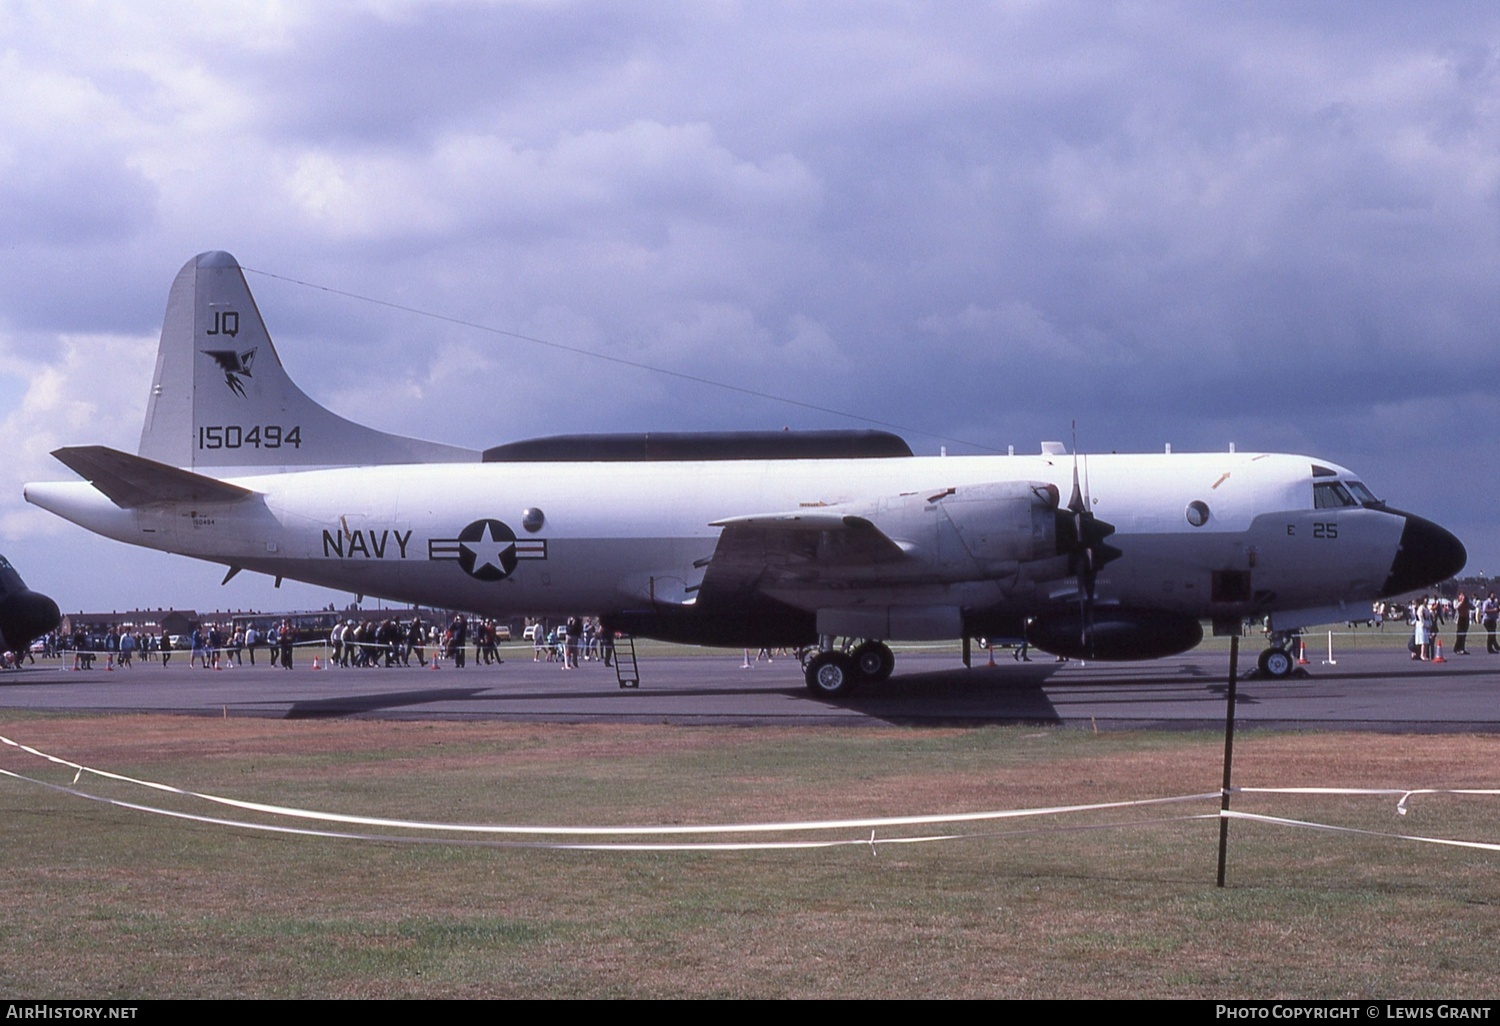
1087 554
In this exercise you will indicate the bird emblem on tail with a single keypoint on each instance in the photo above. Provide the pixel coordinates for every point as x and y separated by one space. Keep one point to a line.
233 364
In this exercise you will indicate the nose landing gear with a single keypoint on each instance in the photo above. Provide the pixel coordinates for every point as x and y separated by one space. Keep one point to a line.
1275 663
1280 660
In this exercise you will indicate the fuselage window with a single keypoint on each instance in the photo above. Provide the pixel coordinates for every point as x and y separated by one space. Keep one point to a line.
1331 495
1363 494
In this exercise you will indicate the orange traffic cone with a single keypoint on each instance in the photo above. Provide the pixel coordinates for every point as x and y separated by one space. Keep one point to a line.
1438 657
315 663
1302 659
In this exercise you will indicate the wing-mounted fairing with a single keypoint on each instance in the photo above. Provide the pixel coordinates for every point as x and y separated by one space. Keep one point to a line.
972 533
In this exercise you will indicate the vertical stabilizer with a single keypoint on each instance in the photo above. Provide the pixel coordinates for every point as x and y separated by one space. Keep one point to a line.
220 397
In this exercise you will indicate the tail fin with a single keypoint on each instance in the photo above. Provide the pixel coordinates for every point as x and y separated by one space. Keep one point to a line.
220 397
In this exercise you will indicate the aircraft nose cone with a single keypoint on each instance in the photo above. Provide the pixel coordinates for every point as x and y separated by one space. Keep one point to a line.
1427 554
27 615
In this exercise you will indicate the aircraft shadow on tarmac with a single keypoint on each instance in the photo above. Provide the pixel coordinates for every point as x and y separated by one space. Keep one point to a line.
1373 687
1032 694
981 692
487 701
354 705
984 692
1001 693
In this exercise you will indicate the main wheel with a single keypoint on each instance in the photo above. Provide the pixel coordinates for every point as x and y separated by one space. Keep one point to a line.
831 675
1276 663
874 660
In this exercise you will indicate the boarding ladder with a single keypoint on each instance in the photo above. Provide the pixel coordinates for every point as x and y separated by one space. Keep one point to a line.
626 670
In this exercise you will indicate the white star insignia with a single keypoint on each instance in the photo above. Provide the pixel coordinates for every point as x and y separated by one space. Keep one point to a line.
488 551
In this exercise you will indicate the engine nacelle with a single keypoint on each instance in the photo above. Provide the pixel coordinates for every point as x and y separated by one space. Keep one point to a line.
973 532
1004 522
1115 634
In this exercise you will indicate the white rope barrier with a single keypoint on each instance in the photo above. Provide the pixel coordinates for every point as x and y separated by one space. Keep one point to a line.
1400 805
872 842
619 831
873 824
1280 821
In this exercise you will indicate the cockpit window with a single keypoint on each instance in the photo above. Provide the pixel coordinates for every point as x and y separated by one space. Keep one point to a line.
1331 495
1363 494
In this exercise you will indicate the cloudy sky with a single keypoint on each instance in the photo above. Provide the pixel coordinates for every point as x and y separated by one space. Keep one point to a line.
1269 224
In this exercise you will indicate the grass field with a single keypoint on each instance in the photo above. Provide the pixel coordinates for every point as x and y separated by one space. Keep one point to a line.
107 902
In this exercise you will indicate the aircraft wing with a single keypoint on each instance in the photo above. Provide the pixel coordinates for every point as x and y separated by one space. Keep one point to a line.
779 549
129 481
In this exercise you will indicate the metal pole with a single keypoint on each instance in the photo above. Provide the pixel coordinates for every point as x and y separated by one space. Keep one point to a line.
1234 665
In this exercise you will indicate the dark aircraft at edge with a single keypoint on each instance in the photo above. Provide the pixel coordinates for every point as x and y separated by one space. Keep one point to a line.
25 615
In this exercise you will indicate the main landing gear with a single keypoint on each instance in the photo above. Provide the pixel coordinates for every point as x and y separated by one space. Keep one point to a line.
835 672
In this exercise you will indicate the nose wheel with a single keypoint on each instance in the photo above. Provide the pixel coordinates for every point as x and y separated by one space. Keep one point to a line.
1276 663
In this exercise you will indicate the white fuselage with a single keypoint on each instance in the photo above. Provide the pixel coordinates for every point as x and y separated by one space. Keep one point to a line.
626 535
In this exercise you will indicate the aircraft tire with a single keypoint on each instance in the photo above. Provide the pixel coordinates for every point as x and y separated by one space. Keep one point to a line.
874 660
1276 663
831 675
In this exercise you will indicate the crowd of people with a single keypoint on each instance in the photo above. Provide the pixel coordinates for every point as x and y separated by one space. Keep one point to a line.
394 642
351 643
209 646
579 639
1428 616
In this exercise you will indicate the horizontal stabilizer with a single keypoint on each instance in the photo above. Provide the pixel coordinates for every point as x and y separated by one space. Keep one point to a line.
129 481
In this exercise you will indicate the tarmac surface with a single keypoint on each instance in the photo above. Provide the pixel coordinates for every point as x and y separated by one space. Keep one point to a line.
1377 690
